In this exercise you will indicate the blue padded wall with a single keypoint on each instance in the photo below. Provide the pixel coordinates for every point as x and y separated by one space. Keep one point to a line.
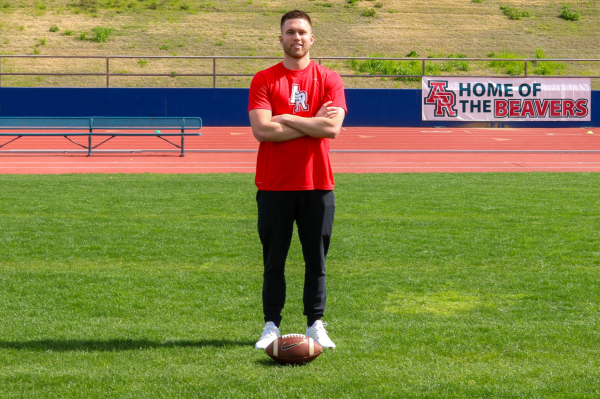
227 107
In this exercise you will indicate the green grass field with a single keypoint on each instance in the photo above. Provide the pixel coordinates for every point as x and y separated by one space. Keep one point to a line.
440 286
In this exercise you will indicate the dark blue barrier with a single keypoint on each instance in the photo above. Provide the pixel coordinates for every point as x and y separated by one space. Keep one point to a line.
227 107
216 107
402 107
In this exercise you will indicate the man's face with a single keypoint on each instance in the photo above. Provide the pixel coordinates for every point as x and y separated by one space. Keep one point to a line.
296 37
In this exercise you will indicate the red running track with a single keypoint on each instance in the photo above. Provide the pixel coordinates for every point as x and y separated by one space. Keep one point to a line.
356 150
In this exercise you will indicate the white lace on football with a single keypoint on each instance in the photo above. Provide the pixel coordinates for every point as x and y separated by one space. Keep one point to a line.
292 336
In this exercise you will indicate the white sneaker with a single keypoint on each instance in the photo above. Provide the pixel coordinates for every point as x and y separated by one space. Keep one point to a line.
318 333
270 332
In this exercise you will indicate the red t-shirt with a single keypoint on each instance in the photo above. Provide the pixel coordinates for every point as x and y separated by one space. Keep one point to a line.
302 163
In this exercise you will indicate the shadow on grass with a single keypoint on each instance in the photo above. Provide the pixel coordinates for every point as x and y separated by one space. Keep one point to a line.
66 345
268 362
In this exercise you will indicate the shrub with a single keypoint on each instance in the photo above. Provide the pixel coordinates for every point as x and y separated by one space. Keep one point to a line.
164 47
54 28
43 41
6 5
387 67
118 4
546 67
412 54
512 68
184 7
102 33
68 32
82 35
477 1
457 65
569 15
87 5
368 12
412 67
352 2
142 63
539 53
515 69
447 66
513 13
378 5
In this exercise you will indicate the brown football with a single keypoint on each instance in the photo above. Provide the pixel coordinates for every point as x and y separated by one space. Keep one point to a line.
294 349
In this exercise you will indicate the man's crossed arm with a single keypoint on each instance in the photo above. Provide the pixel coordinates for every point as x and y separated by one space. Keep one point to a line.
326 124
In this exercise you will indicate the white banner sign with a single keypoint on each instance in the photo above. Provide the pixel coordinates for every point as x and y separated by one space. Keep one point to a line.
506 99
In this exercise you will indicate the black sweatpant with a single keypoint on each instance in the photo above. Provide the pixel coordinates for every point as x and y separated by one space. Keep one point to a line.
313 212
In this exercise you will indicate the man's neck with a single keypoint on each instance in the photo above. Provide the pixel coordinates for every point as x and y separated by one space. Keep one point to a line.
296 64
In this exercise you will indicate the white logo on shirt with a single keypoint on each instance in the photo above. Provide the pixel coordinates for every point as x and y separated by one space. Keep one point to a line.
298 98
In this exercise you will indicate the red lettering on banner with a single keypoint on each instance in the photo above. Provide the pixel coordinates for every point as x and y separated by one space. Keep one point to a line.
444 100
528 108
541 107
567 108
555 106
514 108
500 108
582 109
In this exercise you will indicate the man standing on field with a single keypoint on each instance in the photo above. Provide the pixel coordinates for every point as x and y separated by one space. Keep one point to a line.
295 107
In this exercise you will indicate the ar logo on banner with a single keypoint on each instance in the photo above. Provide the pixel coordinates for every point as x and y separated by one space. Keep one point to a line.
298 98
444 100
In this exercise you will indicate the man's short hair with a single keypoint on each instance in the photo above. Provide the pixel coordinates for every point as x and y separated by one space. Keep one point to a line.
295 14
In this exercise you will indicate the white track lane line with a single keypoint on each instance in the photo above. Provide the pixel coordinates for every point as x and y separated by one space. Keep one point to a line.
341 167
122 163
130 167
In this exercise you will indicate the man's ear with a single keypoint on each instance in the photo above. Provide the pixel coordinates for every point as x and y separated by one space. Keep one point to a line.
281 39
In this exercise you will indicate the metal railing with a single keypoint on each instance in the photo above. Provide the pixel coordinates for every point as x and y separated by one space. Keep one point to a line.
214 59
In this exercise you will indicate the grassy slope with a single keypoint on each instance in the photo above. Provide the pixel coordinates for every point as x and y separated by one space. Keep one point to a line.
250 28
441 285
